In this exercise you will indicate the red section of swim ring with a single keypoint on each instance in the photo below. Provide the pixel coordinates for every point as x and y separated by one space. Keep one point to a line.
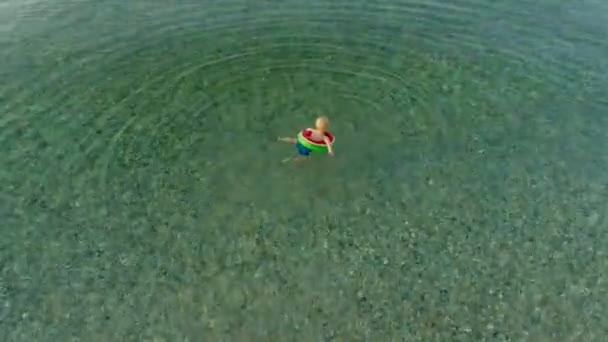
307 133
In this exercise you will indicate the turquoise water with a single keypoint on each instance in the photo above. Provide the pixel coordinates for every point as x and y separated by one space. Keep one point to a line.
143 198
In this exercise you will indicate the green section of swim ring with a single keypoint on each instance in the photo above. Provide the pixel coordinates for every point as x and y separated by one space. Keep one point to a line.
314 147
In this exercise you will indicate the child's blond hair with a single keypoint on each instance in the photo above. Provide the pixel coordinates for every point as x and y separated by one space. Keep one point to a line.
323 119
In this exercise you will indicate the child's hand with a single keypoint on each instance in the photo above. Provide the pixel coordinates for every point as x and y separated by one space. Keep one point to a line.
330 150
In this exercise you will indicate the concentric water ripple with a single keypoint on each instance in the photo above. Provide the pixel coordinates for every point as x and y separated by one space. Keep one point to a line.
142 195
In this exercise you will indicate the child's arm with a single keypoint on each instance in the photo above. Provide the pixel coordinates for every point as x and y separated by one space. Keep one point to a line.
288 140
330 149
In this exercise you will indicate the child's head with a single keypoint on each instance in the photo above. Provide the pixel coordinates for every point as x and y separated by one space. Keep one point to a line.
322 123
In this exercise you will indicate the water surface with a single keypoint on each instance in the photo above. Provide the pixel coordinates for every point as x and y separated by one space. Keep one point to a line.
142 196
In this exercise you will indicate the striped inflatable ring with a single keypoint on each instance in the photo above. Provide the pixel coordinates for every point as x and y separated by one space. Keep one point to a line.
304 138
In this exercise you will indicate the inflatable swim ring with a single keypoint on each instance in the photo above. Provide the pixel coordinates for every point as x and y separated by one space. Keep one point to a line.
305 138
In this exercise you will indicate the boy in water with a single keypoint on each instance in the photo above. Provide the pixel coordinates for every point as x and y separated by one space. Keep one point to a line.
312 140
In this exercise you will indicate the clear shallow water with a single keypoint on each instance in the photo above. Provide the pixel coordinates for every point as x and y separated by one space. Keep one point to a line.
142 195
